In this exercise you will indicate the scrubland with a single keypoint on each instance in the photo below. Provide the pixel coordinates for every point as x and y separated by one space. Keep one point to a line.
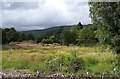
67 60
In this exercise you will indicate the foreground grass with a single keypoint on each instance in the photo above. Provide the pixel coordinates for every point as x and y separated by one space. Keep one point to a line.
81 61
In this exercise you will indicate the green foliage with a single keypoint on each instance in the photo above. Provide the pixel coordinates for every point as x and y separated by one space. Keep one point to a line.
50 40
68 63
4 37
64 35
22 37
105 16
46 33
11 35
14 37
71 60
38 40
80 25
30 37
116 43
86 36
92 61
16 64
68 37
57 35
61 35
76 28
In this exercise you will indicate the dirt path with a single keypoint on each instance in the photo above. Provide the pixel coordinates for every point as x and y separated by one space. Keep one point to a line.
27 44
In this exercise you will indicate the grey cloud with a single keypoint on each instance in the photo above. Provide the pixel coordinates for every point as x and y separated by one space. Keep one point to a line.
19 5
28 15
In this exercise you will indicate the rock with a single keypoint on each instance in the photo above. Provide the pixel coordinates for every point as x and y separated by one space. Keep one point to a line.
56 75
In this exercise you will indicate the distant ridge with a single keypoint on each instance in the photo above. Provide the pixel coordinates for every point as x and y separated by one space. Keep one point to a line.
49 31
43 32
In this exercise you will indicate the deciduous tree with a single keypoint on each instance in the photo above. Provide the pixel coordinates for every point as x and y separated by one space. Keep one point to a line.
106 16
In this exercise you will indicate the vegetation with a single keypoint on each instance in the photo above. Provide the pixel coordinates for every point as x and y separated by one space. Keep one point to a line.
74 50
105 16
72 60
44 33
87 36
11 35
63 36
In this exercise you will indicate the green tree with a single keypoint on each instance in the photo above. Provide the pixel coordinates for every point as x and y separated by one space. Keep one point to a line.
14 37
30 37
80 26
9 35
106 16
49 40
86 36
4 37
38 40
68 37
76 28
12 34
57 34
22 37
52 39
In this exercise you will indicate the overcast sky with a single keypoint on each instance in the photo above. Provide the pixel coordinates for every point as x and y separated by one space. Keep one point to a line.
43 14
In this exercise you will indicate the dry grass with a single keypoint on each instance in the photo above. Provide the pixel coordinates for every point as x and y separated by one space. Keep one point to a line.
34 58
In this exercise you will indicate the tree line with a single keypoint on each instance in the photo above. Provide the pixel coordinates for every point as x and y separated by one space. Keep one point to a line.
11 35
76 35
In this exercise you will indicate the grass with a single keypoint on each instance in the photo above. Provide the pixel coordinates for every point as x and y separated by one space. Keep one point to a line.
81 61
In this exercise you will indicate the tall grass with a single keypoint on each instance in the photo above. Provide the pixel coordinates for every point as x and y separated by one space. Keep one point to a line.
81 61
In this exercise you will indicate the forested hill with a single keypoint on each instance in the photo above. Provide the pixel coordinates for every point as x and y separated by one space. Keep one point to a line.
48 31
64 35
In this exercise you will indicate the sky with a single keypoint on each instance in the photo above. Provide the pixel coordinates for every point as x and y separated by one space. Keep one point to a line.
43 14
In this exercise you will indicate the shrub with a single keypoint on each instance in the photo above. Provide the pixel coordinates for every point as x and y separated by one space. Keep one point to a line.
69 63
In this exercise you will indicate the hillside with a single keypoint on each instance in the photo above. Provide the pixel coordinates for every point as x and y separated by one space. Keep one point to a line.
48 31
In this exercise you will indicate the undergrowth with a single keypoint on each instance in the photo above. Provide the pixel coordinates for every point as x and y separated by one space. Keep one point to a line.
80 61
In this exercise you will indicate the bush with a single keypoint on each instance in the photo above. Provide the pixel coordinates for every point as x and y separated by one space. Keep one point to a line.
49 40
67 63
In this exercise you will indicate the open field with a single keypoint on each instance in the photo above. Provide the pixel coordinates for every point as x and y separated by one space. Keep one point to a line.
67 60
